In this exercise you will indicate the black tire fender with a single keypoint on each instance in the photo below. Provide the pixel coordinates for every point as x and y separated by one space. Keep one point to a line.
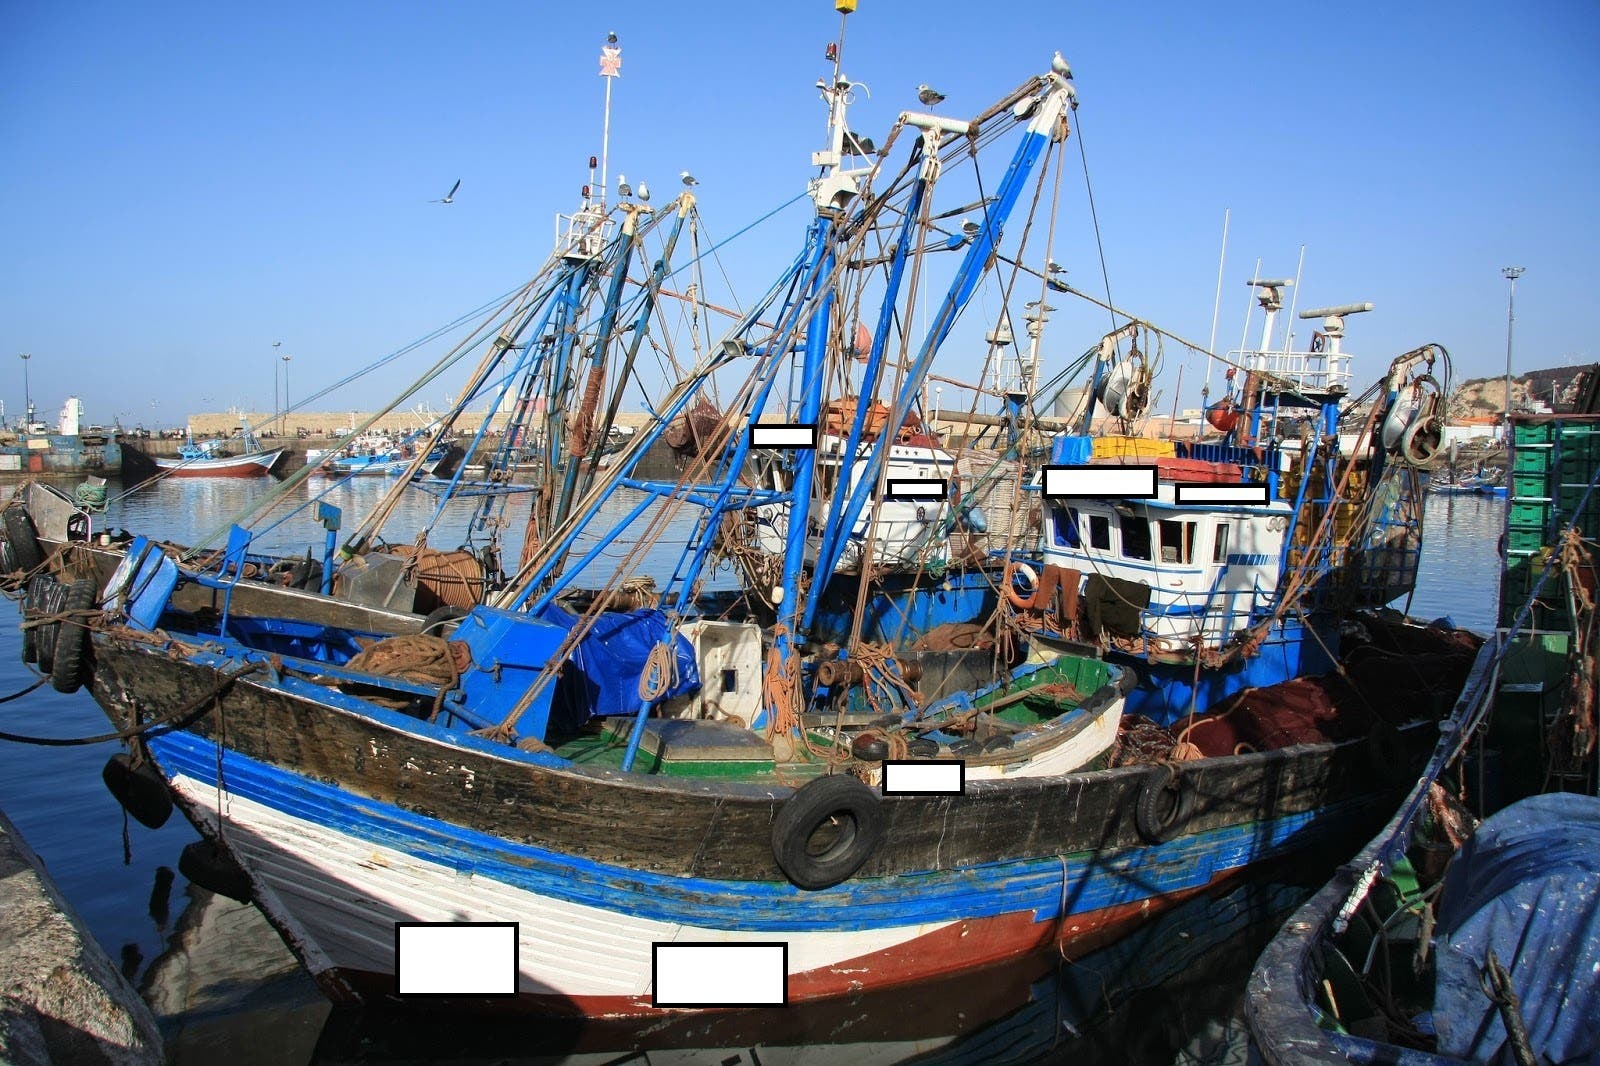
1166 803
214 869
140 788
55 599
23 539
33 600
839 799
71 667
439 617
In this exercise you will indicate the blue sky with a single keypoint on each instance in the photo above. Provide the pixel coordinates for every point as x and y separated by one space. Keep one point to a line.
183 184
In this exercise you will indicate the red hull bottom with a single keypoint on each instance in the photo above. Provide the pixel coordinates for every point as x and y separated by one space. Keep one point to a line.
249 470
951 954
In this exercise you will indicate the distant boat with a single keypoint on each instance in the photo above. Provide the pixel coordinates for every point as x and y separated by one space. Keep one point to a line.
209 458
34 447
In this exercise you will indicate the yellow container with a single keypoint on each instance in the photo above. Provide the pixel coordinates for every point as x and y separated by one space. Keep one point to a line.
1133 448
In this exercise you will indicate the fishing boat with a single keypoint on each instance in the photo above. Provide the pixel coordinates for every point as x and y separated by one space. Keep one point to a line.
214 458
609 762
379 454
1465 930
34 448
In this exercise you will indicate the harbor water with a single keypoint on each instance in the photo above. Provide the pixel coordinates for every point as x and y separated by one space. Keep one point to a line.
224 987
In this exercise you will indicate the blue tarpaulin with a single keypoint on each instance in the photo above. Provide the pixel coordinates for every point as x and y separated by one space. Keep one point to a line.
603 676
1071 450
1527 885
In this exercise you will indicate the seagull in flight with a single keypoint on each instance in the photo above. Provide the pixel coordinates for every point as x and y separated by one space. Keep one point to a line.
449 197
689 179
928 96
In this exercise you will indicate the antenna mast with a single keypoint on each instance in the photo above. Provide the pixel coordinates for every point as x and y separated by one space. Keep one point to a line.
610 70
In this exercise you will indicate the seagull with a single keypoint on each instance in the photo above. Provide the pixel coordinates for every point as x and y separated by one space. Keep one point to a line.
689 179
624 190
1053 267
449 197
969 228
929 97
644 192
1061 66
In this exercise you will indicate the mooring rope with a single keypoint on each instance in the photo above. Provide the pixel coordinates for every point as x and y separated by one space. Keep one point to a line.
139 729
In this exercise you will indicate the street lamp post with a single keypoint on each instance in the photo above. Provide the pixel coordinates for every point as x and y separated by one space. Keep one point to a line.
275 408
284 428
27 395
1511 274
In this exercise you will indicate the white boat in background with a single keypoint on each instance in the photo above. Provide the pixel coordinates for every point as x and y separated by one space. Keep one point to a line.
211 458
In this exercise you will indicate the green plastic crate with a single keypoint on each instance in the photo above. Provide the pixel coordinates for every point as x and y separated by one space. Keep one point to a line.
1532 432
1530 514
1530 486
1531 459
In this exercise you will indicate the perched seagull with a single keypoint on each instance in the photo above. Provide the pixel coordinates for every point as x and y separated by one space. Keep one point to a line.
1053 267
969 228
689 179
929 97
624 190
644 192
1061 66
449 197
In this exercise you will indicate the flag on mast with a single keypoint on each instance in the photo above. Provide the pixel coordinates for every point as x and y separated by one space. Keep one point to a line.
611 57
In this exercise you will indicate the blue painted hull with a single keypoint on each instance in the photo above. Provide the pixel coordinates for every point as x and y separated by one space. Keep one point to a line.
349 817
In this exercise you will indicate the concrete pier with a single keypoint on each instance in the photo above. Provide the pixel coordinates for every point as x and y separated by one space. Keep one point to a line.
62 1000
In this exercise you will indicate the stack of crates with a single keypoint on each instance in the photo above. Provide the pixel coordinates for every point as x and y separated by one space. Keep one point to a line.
1554 459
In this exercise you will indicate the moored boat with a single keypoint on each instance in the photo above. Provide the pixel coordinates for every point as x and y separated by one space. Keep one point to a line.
212 458
610 766
1465 930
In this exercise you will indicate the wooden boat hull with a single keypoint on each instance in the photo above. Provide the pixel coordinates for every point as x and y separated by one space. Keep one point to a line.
348 818
255 464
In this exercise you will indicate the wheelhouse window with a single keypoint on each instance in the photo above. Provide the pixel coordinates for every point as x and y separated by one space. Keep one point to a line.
1219 547
1177 541
1135 537
1066 523
1100 532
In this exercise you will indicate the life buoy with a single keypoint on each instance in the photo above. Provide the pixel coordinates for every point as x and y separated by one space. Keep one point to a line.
1030 578
71 667
1166 802
839 803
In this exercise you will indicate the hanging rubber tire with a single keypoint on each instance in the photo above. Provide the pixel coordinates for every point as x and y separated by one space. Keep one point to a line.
33 599
215 870
1166 802
55 598
23 539
841 803
140 789
434 623
71 667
